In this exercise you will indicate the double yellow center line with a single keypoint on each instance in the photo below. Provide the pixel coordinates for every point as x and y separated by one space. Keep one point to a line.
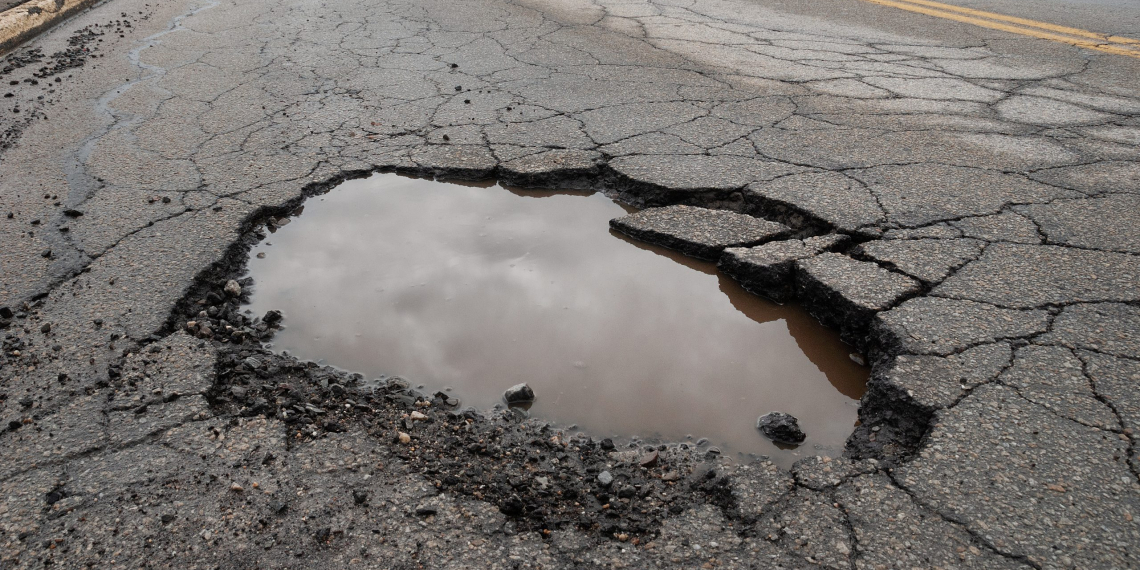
1073 36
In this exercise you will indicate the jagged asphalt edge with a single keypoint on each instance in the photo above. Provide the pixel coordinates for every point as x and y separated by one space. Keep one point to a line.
907 425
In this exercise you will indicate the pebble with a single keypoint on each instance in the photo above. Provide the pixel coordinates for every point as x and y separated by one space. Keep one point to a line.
232 288
518 394
405 438
360 497
605 478
649 459
781 428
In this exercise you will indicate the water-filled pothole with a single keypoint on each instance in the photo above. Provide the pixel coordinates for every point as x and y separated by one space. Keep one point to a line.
477 288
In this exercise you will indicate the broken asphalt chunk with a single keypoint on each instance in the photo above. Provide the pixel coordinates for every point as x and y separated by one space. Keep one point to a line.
699 232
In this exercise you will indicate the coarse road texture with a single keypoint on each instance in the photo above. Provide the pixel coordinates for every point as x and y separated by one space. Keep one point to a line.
990 183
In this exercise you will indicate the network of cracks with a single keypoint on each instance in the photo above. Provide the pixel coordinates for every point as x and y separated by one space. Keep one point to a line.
494 454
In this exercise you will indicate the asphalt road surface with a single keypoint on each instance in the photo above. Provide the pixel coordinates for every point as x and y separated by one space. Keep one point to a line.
1120 17
985 172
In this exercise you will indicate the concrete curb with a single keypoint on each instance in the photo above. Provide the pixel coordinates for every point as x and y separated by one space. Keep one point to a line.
29 19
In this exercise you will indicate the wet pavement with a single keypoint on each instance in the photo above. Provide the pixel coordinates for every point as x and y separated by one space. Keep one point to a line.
985 182
476 289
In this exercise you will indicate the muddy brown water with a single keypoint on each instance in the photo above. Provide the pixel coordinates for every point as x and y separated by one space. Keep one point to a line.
477 288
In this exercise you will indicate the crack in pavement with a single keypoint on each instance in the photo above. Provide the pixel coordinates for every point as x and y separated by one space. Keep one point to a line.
238 112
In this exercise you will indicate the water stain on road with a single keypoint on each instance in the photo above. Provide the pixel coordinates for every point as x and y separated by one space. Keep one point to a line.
477 288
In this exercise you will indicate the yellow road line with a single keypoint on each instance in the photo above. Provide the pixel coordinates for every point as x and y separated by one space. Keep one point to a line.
1026 22
1081 38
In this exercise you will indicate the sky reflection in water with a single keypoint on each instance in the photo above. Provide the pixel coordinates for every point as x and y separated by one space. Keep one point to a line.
479 288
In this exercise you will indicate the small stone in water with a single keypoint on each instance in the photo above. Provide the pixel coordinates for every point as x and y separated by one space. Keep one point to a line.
518 394
781 428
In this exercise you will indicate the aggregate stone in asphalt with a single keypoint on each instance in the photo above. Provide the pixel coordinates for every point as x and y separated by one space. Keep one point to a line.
686 178
1111 328
831 197
1114 379
928 260
824 473
941 230
919 195
1110 176
935 382
1030 483
931 325
699 232
549 168
1095 223
1026 276
893 532
145 145
1054 378
808 525
1007 226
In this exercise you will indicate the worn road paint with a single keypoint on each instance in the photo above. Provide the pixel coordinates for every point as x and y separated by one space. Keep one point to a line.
1116 45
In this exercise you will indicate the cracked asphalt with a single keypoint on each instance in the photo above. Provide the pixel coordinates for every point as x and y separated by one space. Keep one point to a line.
988 185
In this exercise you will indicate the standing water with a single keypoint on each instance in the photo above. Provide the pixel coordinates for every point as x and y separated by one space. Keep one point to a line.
480 288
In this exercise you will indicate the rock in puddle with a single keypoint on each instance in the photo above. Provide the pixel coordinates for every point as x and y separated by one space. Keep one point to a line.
781 428
519 395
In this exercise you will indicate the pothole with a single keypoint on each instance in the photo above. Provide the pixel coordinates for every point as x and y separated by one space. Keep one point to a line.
475 288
